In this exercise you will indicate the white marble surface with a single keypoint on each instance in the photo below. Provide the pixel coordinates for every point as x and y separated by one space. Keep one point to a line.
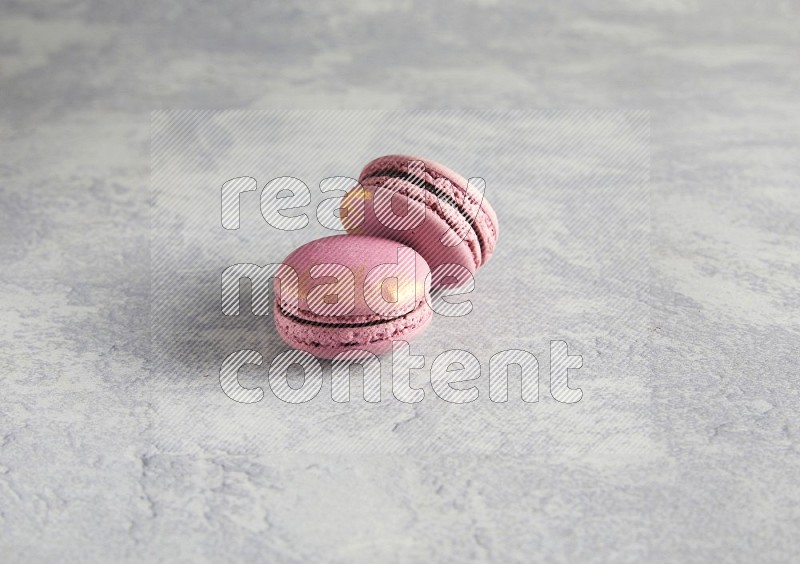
86 471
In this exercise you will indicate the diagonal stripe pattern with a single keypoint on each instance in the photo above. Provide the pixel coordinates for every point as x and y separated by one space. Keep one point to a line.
499 375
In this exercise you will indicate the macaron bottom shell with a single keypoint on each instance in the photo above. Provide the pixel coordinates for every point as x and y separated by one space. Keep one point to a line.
326 340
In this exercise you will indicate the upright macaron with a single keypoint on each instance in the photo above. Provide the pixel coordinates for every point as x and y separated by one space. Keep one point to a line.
351 293
430 208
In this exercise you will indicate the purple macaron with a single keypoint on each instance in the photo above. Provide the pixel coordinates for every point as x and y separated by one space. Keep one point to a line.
351 293
428 207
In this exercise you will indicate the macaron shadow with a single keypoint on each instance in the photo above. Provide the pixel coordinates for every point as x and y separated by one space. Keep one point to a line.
191 336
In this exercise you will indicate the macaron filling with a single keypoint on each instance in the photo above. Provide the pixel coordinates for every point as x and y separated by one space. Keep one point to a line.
340 324
437 192
446 213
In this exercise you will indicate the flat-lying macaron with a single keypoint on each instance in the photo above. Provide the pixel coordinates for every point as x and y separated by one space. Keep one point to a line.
351 293
428 207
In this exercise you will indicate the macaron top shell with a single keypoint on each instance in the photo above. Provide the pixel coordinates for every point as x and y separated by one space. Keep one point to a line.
350 279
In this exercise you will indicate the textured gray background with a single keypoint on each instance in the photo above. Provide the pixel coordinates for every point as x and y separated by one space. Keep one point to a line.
713 474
